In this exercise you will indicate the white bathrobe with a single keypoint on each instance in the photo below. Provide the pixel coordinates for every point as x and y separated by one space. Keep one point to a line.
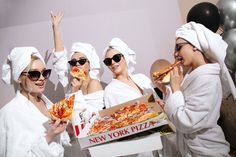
61 67
22 130
117 92
195 109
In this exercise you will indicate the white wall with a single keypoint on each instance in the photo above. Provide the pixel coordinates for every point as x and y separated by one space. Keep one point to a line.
147 26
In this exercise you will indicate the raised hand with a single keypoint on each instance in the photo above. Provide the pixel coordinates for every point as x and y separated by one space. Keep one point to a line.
56 18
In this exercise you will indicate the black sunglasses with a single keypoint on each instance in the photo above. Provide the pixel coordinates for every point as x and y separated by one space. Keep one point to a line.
116 58
34 75
179 46
74 62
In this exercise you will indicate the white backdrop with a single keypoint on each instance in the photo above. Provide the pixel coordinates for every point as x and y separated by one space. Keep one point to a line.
147 26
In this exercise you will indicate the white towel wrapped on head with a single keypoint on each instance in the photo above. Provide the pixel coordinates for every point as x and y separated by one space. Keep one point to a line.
212 46
89 51
122 47
18 59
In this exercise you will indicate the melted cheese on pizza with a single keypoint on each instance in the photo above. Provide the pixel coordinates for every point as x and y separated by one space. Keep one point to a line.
78 73
63 109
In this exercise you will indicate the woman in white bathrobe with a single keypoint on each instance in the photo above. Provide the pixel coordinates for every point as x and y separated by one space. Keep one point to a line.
89 92
125 85
24 127
193 102
83 56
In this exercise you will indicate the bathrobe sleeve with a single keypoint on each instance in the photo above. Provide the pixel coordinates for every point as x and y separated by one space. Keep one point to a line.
60 65
190 112
17 140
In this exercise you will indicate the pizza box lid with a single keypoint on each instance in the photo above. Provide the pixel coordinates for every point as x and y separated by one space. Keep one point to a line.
155 124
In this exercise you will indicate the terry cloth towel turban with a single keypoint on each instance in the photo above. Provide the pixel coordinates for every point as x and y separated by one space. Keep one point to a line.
122 47
16 62
212 46
89 51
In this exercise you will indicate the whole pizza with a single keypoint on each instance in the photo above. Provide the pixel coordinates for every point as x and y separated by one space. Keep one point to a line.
124 116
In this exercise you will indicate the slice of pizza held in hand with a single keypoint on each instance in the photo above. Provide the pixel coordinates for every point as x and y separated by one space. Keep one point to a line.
63 109
78 73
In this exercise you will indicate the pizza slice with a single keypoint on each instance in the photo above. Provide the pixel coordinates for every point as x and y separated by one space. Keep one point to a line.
146 116
63 109
78 73
162 74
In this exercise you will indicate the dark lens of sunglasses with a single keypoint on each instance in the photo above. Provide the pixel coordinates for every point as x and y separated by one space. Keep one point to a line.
46 73
117 58
34 75
82 61
72 62
177 47
107 61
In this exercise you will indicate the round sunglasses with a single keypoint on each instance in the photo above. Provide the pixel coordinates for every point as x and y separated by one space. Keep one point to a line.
116 58
74 62
34 75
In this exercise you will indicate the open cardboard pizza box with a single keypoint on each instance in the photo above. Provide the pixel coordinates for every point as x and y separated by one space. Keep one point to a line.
158 123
